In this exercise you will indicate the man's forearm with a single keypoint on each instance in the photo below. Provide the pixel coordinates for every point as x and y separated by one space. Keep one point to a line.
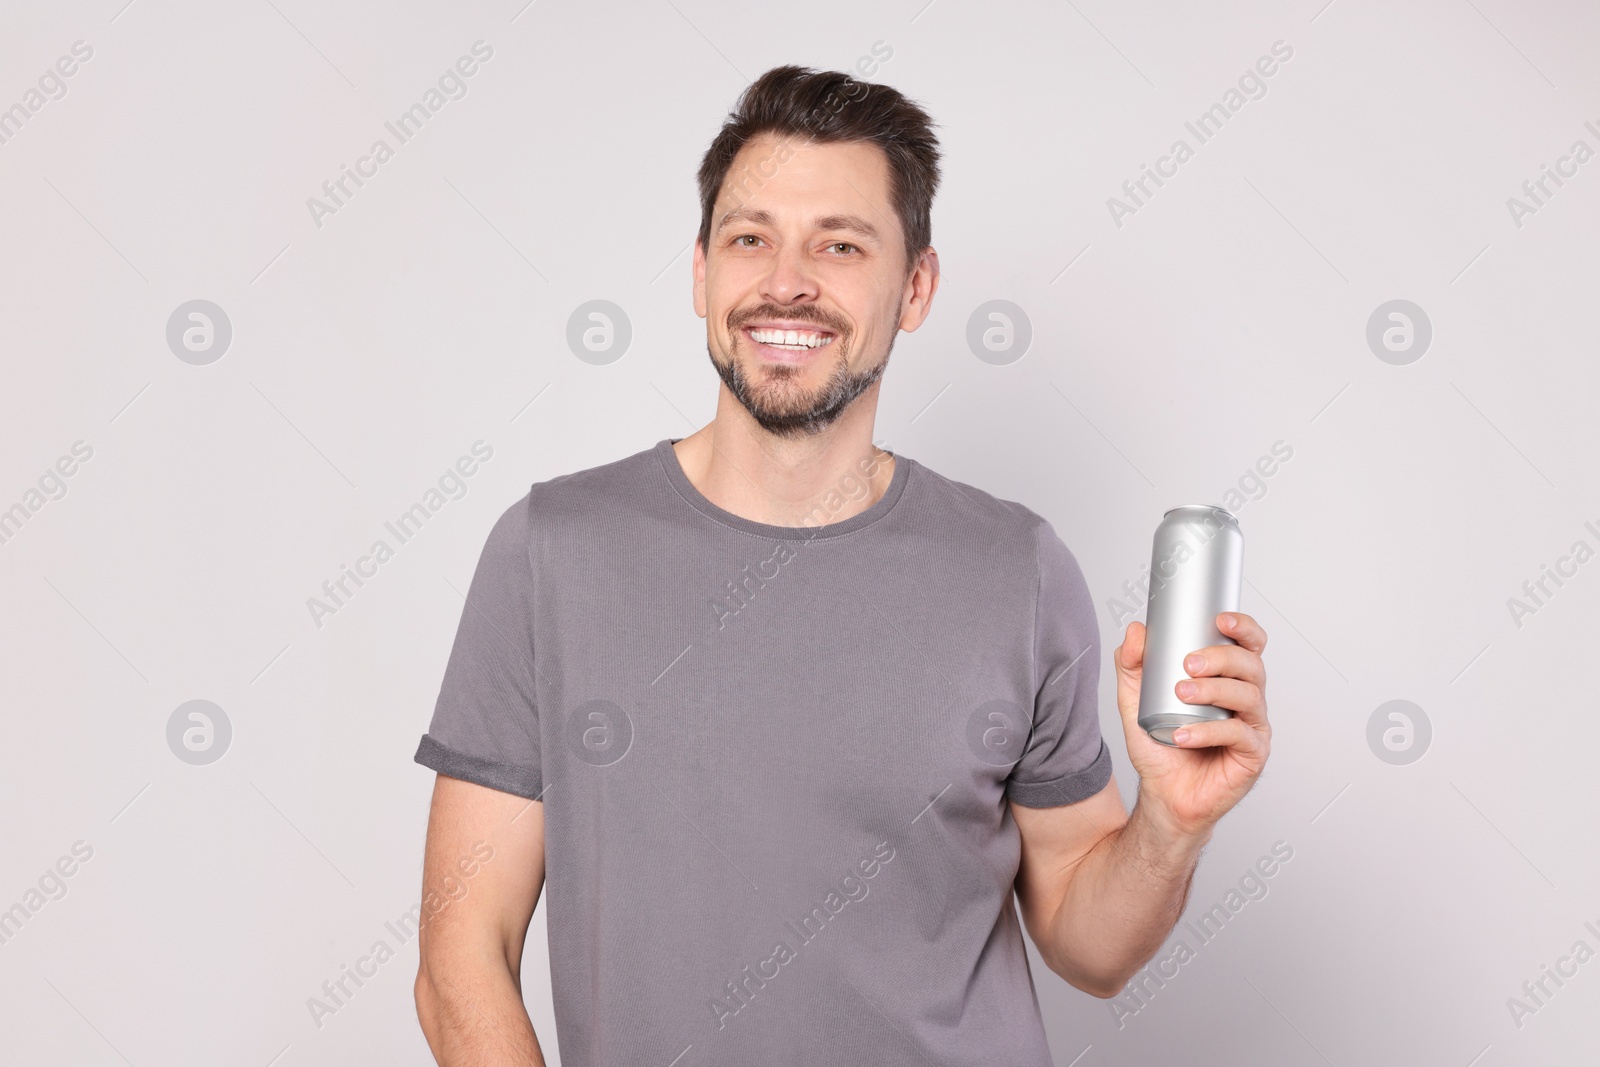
1121 902
475 1018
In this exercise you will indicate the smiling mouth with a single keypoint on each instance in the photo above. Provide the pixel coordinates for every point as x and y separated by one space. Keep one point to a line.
789 340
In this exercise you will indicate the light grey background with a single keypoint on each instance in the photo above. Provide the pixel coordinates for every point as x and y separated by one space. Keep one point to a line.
1167 355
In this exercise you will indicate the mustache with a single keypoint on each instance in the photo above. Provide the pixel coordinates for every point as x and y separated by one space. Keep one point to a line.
800 313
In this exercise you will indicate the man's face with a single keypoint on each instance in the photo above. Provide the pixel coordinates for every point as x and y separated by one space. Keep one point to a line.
804 283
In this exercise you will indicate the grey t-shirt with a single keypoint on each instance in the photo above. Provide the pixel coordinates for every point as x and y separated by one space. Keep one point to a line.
774 761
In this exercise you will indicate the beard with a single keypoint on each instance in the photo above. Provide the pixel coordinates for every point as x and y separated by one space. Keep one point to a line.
778 403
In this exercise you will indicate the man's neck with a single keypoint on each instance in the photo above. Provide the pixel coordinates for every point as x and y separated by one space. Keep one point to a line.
782 481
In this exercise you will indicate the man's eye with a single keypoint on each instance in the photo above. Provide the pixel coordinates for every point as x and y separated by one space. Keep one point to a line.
841 244
745 237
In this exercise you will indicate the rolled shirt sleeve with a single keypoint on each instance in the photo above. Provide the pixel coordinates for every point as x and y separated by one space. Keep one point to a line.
1066 759
485 726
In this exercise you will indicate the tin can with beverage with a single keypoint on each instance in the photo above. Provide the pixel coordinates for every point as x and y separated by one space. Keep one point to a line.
1196 569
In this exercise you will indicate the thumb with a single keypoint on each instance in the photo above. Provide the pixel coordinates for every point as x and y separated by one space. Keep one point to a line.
1129 662
1130 654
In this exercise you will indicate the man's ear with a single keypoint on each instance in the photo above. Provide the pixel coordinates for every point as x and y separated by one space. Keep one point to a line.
699 278
920 287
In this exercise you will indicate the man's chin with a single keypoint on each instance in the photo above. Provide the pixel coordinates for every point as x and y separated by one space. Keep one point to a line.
781 400
786 412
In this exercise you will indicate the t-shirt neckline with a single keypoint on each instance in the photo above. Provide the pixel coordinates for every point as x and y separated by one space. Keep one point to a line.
685 488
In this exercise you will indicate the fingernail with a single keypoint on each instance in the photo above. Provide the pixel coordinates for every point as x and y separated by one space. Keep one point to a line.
1180 736
1229 622
1186 689
1195 664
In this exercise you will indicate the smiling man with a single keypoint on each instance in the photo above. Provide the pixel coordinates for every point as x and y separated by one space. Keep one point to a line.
784 724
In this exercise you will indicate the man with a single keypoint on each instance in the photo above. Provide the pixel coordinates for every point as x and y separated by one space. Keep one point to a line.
787 718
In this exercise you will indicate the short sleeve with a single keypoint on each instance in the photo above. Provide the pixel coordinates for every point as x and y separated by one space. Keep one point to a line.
485 726
1066 759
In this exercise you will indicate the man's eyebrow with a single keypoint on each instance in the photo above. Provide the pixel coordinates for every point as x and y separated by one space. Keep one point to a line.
854 223
762 217
757 216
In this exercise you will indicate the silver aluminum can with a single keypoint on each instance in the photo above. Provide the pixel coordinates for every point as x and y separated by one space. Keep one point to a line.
1196 569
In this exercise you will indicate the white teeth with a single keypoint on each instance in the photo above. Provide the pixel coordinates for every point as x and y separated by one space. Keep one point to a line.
799 339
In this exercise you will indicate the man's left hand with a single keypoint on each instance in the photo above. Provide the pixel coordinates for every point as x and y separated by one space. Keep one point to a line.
1214 765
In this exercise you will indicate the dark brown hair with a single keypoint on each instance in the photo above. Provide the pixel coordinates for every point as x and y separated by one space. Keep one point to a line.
827 107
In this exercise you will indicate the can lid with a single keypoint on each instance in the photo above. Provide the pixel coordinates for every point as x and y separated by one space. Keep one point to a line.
1228 515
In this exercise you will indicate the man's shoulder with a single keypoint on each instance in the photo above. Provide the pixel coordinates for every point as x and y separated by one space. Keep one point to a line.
601 482
966 510
582 496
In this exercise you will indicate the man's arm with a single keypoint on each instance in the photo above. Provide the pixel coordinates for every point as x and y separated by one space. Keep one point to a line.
469 985
1100 889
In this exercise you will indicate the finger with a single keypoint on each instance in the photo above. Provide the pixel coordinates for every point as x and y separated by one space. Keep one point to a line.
1222 733
1226 661
1242 698
1130 654
1242 628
